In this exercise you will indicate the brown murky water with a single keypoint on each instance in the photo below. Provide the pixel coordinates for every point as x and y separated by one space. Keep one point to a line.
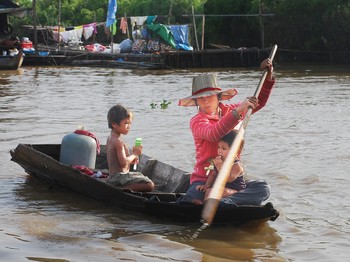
299 143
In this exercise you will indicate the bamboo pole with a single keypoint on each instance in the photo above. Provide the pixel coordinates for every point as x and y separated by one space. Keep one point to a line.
35 27
59 24
194 26
203 29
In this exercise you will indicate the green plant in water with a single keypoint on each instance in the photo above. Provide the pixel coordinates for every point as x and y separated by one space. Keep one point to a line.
164 104
153 105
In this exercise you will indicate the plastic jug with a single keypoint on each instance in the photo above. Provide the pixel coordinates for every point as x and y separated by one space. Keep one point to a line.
78 150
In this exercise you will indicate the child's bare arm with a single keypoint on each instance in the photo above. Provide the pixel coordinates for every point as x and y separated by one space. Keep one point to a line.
236 171
123 155
209 183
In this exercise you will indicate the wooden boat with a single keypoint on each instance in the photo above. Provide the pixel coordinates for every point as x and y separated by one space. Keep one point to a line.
11 62
42 162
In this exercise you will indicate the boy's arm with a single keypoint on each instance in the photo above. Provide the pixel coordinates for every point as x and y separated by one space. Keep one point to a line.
123 156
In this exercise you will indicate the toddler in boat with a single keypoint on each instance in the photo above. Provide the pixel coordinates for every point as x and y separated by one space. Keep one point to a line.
235 181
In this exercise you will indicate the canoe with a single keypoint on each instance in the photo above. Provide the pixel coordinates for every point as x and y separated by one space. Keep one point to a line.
41 161
11 62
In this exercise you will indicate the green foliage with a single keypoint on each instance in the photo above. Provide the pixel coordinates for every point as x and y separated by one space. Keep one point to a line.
321 25
235 31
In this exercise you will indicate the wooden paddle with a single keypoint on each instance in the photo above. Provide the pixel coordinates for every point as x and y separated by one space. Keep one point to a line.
212 203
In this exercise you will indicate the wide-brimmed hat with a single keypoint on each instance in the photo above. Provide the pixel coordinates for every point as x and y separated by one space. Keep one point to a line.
206 85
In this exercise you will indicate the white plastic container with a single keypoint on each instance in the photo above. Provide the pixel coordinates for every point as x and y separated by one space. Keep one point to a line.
78 150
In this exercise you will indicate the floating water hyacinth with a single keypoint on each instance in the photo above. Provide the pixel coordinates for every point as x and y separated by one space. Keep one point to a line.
163 105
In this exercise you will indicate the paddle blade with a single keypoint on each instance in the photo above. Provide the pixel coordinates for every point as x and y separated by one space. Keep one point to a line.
209 210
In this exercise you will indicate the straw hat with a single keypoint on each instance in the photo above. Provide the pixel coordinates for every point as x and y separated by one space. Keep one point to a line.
206 85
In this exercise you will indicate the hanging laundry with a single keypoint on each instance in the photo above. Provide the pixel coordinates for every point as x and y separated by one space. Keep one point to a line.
137 20
89 30
151 19
79 32
64 36
73 36
124 25
113 28
55 33
112 9
180 33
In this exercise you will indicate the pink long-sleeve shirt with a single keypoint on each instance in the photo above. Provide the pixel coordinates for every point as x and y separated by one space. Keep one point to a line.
207 130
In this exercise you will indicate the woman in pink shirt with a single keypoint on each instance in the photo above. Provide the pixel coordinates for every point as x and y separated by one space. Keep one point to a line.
214 120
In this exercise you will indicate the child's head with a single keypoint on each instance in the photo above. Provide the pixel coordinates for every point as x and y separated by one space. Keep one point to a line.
226 142
117 113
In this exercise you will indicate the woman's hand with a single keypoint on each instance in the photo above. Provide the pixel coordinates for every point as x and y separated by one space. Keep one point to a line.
267 63
251 101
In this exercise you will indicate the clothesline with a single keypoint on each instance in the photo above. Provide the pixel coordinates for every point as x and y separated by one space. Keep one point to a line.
74 34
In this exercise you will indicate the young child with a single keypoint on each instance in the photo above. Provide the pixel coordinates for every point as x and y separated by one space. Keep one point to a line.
118 156
235 181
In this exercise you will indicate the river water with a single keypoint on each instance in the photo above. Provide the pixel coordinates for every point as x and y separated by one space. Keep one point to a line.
299 143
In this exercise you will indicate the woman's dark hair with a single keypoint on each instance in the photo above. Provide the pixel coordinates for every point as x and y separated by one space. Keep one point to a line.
116 114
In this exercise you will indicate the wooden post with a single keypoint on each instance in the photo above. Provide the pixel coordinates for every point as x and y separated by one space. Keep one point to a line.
194 26
127 26
35 27
262 33
94 35
59 24
171 7
203 29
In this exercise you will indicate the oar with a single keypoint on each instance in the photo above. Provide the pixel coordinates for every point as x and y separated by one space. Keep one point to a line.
212 203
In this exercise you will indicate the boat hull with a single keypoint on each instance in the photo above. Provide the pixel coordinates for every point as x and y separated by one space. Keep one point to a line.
11 62
41 162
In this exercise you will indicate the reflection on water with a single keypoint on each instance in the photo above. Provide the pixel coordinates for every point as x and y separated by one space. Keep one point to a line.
199 230
298 143
41 210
